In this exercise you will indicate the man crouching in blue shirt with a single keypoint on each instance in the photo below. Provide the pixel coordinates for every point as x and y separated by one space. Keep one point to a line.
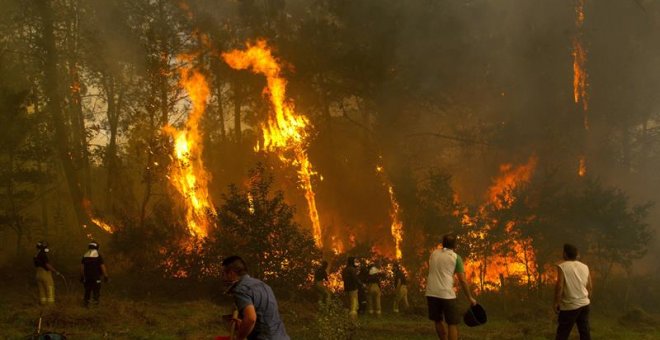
259 318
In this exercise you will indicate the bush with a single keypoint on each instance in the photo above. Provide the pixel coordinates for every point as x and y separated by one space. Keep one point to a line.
333 321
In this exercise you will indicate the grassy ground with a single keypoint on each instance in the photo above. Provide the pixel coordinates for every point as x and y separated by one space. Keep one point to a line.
160 318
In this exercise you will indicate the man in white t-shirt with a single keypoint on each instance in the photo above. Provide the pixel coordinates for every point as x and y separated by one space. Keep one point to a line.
572 293
444 264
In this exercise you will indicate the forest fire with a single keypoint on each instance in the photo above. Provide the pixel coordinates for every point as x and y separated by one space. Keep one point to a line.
396 228
285 132
187 173
492 266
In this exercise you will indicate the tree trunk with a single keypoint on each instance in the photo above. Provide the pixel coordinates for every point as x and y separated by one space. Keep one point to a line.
237 112
54 106
218 94
114 101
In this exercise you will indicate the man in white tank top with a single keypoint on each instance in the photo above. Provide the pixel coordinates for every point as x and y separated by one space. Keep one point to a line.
572 292
444 264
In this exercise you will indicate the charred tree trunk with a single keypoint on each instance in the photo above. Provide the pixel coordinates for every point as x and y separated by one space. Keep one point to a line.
218 95
237 111
54 106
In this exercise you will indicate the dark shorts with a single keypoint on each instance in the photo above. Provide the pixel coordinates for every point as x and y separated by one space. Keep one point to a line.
443 310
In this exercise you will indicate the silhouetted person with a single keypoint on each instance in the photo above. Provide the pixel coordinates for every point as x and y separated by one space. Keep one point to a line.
444 265
374 276
400 288
321 282
363 294
572 291
259 317
44 274
351 285
92 270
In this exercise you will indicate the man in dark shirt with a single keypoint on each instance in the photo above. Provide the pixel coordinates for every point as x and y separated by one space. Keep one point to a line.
321 281
351 285
92 269
259 318
44 274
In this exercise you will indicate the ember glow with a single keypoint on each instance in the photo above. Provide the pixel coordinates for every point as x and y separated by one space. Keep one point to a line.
187 172
520 262
579 60
582 166
285 132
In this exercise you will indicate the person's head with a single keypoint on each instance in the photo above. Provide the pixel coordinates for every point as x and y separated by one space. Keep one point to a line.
93 245
570 252
351 262
324 264
233 268
42 246
449 241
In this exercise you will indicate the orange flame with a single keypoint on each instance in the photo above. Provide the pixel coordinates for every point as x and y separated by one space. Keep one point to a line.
579 60
500 193
582 167
286 132
520 262
87 206
187 173
396 228
106 227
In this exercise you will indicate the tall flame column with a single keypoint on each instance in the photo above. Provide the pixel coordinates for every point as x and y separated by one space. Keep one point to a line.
285 132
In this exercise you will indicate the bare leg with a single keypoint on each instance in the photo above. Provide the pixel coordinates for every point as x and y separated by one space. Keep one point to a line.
441 330
453 332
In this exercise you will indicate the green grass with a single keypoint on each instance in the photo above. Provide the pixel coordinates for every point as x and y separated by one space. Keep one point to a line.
119 317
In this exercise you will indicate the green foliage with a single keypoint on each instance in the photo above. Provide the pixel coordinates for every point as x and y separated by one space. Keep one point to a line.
258 225
333 321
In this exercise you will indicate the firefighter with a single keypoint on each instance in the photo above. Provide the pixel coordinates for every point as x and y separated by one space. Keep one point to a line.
321 282
373 280
400 288
351 285
92 269
44 274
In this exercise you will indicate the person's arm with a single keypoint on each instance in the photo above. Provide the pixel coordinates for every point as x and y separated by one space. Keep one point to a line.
590 287
466 288
52 269
104 271
245 326
559 289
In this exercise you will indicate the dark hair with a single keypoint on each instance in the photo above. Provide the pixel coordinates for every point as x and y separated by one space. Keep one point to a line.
449 241
235 264
324 264
93 245
570 251
350 262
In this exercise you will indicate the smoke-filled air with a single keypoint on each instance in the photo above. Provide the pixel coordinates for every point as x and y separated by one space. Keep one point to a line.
329 169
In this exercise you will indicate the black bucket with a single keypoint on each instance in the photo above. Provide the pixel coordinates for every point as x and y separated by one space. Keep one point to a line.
475 316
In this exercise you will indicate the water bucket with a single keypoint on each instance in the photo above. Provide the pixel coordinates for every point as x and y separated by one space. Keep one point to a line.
475 316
